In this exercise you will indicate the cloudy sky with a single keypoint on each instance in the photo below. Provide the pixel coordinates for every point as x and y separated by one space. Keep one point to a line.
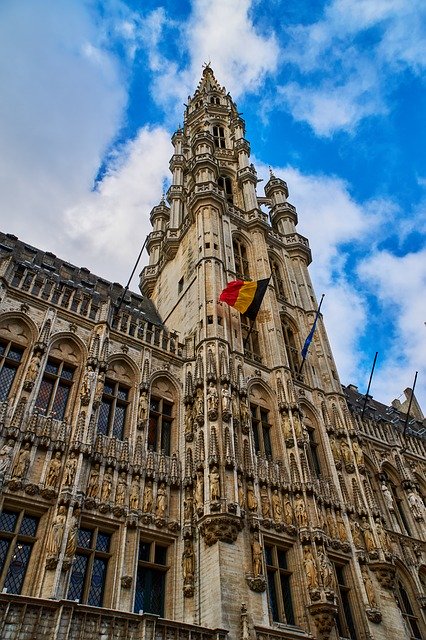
333 94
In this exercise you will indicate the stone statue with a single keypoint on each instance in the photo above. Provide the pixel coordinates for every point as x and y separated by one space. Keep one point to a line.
6 453
106 485
33 369
370 544
244 414
214 484
212 398
199 491
56 533
188 562
310 569
277 506
235 406
335 449
387 496
300 511
256 550
346 452
86 385
359 456
286 428
265 506
383 536
161 505
188 504
417 505
99 388
92 490
288 510
297 427
70 469
356 532
240 490
143 407
331 525
326 568
71 546
53 470
189 421
148 498
226 400
199 403
341 528
120 494
21 465
251 498
134 493
369 589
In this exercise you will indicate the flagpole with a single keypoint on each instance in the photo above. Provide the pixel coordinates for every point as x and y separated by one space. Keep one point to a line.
409 406
313 327
369 383
248 334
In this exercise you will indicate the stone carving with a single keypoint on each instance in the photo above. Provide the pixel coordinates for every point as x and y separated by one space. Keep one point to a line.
346 452
359 456
188 569
214 484
367 533
324 614
264 501
189 424
106 485
161 504
369 589
387 496
277 507
331 525
71 546
245 633
327 572
134 493
21 465
244 415
199 406
335 450
288 510
383 537
286 428
87 384
212 401
220 527
6 453
251 498
226 402
300 511
32 373
256 552
148 498
188 504
417 505
235 407
53 470
70 469
356 532
56 533
100 382
199 491
310 569
240 491
92 489
142 409
343 536
120 494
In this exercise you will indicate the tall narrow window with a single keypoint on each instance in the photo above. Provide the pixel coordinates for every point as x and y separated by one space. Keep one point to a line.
313 453
160 425
224 183
151 578
10 358
261 430
113 409
290 346
240 259
55 389
17 536
279 584
344 621
407 611
277 279
250 338
219 137
89 571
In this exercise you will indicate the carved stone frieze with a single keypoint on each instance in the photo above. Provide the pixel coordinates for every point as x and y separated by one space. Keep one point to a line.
257 584
223 528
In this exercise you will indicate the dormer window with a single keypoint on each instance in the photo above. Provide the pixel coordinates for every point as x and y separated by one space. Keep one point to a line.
219 137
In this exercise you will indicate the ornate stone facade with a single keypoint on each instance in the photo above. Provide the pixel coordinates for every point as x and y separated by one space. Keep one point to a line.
157 459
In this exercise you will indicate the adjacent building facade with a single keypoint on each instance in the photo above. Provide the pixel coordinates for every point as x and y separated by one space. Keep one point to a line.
169 471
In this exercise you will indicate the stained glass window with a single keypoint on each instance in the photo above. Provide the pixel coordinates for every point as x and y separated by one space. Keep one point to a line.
10 358
88 576
17 537
151 578
279 584
113 409
55 389
160 425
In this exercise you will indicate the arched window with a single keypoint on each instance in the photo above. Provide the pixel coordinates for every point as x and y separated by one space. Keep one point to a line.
240 259
279 584
277 278
293 353
219 137
14 338
313 458
261 428
161 416
408 613
345 621
214 100
114 409
224 183
250 337
59 375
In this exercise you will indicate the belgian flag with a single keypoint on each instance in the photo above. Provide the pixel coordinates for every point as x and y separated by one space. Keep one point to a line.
245 296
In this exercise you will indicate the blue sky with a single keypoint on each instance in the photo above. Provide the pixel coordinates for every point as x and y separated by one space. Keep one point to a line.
333 95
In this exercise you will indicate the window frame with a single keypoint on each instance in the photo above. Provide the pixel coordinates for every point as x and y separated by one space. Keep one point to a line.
114 401
241 261
152 567
277 279
410 617
10 364
279 577
16 538
345 621
219 136
291 348
57 382
156 420
261 430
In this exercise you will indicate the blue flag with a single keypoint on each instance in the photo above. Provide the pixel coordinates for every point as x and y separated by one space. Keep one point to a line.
311 333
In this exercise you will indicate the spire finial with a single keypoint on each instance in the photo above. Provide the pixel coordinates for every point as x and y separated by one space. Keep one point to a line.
271 173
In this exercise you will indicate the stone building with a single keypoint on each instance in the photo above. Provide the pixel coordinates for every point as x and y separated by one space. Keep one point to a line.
166 473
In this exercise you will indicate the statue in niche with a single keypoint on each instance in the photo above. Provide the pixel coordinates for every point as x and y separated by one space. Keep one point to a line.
256 550
212 399
92 489
71 546
310 568
53 470
188 562
235 406
286 428
369 589
346 452
188 504
148 498
189 423
21 465
335 449
288 510
356 532
214 484
33 369
134 493
106 485
343 536
70 469
142 408
86 385
326 569
199 490
240 492
265 506
300 511
244 415
382 534
56 533
417 505
99 388
251 498
370 544
6 453
331 525
387 496
120 494
161 504
199 404
297 427
277 507
226 400
359 456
